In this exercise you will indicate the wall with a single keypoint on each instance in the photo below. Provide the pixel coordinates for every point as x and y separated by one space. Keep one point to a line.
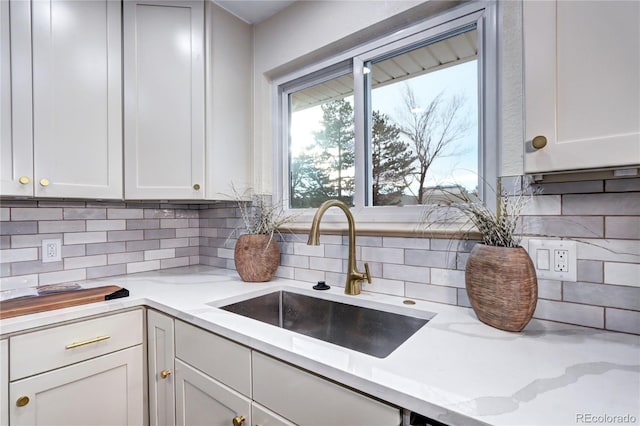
603 215
99 240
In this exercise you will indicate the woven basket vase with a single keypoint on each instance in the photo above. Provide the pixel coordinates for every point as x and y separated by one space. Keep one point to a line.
257 257
502 286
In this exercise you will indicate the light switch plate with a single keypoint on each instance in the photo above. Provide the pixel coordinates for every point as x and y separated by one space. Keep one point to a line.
547 253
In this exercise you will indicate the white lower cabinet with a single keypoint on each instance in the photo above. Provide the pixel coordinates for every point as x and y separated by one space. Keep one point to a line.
4 382
160 362
102 391
219 382
201 400
264 417
307 399
84 373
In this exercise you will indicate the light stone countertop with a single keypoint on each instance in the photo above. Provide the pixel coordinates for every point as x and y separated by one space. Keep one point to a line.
455 369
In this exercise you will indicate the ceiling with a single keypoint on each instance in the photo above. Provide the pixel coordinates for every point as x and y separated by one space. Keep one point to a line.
253 11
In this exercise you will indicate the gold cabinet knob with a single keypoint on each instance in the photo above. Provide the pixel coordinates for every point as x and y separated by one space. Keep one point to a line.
22 401
196 186
539 142
44 182
24 180
165 373
238 420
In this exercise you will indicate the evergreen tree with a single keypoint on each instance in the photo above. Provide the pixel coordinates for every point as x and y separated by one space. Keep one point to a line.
391 161
336 142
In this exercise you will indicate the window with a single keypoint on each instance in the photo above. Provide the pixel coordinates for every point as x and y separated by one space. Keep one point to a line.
395 122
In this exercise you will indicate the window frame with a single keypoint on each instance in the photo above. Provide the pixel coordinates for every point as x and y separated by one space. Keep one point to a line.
481 14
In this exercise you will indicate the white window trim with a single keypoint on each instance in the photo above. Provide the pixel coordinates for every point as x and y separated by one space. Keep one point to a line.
402 218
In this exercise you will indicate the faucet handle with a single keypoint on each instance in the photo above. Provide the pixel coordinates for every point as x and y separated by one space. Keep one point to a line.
367 273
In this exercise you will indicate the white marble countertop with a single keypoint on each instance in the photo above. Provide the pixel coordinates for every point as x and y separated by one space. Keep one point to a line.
454 369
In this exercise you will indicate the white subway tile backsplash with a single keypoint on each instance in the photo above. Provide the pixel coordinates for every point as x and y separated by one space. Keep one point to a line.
20 214
406 273
85 213
572 313
150 265
51 226
606 224
622 320
85 261
18 255
380 254
432 293
19 281
71 275
627 274
447 277
159 254
106 225
325 264
85 237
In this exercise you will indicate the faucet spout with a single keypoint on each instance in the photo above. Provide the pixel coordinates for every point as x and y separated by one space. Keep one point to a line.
354 277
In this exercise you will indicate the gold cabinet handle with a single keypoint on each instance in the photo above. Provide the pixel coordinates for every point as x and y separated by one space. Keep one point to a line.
238 420
24 180
87 342
539 142
22 401
44 182
196 186
165 373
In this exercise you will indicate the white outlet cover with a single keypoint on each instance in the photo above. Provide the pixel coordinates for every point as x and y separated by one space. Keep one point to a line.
538 248
57 257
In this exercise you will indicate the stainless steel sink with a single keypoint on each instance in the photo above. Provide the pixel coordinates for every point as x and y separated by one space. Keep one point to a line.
371 331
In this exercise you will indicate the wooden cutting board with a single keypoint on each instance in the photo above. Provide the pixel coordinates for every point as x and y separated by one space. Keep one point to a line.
33 304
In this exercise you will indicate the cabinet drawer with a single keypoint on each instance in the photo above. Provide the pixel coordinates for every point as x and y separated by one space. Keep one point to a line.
216 356
56 347
307 399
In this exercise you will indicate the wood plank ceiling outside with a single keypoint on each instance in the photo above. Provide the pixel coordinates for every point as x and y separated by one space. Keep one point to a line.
442 54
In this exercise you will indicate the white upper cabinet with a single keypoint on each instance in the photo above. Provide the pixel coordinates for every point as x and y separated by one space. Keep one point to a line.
228 102
164 99
16 137
582 84
62 136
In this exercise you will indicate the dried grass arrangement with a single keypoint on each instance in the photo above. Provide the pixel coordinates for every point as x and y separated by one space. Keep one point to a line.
257 254
497 228
500 278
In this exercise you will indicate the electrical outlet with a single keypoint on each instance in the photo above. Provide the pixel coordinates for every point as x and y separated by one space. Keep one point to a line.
554 259
560 260
51 250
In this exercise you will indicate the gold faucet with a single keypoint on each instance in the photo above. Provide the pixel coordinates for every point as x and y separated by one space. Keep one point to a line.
354 277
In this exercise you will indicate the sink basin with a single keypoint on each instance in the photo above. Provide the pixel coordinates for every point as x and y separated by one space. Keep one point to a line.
370 331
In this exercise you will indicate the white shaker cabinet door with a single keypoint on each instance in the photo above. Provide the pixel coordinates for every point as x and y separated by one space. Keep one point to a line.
4 382
582 84
160 358
77 98
164 99
107 390
16 138
202 400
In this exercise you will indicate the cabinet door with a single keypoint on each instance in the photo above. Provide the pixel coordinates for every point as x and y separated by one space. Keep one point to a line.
107 391
77 101
161 353
202 400
264 417
4 382
307 399
582 80
16 140
164 99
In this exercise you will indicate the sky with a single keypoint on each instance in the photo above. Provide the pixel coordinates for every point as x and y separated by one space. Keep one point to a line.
456 80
